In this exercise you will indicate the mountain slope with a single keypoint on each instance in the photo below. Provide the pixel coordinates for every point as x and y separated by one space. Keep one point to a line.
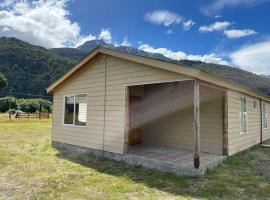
90 45
69 53
28 68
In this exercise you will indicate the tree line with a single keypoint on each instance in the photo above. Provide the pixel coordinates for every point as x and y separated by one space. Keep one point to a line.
26 105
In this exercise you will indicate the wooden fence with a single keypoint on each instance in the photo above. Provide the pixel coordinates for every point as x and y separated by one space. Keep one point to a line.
33 116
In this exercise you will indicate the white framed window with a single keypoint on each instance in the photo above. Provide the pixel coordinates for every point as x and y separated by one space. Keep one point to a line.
264 116
243 115
75 110
255 104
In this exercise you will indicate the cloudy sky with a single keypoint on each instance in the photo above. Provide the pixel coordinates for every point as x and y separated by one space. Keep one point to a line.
232 32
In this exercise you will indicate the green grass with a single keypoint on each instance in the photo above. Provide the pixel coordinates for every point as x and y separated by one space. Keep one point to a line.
31 169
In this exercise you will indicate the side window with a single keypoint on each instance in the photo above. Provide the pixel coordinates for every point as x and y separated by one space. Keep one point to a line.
81 110
243 115
75 111
264 116
69 110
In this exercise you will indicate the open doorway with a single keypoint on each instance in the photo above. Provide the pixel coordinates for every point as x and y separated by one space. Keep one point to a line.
136 95
161 115
161 124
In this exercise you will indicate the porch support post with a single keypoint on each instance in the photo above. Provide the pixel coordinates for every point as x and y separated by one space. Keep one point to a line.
225 124
196 126
126 134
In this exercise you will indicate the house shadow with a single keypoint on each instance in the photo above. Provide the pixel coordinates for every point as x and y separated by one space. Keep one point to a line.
162 181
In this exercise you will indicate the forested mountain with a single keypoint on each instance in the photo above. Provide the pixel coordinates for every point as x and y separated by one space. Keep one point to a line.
30 69
70 53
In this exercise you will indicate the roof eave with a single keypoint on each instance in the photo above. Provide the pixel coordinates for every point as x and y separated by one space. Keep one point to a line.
135 58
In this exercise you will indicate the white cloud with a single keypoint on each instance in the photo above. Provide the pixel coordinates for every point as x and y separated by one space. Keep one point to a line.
179 55
237 33
188 24
41 22
218 5
169 31
163 17
125 42
168 18
105 35
6 3
6 29
217 26
82 39
218 16
254 58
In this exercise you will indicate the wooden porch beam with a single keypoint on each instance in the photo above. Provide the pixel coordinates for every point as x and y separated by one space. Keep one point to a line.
196 125
126 134
225 124
211 85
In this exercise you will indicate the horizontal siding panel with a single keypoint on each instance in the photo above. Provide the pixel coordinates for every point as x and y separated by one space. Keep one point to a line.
237 141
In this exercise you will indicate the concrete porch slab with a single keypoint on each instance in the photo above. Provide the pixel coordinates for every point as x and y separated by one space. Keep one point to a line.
178 161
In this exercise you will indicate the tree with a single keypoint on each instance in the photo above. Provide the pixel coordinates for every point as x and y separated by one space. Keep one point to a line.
3 81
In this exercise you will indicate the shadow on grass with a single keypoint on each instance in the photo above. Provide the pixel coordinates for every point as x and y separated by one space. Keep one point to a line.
236 173
163 181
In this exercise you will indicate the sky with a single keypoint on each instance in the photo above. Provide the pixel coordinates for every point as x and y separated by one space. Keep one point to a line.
231 32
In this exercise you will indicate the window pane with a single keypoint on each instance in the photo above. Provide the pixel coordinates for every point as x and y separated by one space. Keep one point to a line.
69 110
81 110
243 115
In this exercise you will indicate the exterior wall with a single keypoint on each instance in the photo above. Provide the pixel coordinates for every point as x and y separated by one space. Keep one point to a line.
122 73
168 116
236 141
90 79
266 132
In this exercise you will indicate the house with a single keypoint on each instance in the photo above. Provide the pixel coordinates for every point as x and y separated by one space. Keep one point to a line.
154 113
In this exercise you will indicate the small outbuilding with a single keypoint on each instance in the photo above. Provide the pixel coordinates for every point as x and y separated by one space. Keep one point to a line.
155 113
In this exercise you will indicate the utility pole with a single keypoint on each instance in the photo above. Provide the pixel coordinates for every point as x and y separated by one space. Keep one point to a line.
10 99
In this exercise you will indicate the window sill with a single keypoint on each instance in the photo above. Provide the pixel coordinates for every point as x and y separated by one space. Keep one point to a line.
243 133
72 125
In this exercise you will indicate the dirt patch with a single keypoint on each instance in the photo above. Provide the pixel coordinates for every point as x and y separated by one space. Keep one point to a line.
10 188
263 166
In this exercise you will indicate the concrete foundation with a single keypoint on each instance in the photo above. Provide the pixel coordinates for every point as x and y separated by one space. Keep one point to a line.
177 161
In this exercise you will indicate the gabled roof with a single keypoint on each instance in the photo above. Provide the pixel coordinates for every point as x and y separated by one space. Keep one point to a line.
166 64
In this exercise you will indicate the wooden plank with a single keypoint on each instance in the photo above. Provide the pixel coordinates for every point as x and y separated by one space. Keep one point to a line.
126 133
211 85
225 124
261 123
196 126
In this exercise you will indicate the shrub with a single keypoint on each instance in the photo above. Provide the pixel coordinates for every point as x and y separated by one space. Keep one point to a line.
4 103
34 105
25 105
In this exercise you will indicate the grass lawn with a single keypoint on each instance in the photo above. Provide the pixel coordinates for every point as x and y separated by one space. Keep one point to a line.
31 169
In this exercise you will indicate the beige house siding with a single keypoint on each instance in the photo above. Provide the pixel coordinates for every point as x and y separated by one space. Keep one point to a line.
168 117
266 132
90 79
237 141
122 73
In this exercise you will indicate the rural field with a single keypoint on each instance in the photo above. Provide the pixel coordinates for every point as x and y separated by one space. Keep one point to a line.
31 169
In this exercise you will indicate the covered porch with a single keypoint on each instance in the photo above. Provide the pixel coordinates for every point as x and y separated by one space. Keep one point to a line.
178 126
179 161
